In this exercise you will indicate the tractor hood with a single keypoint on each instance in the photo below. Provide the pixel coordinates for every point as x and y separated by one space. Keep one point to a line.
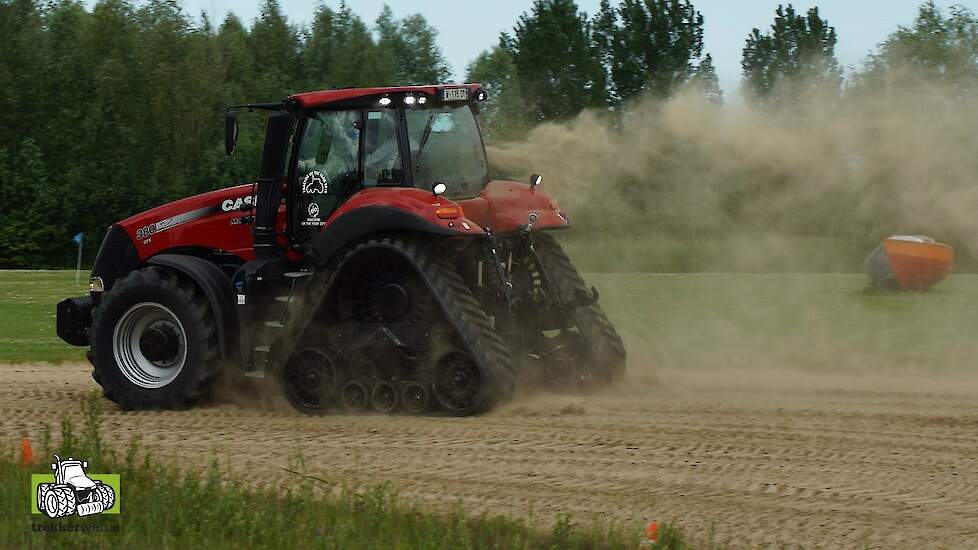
208 221
75 476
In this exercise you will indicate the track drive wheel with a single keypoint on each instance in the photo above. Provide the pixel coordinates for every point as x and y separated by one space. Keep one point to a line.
154 342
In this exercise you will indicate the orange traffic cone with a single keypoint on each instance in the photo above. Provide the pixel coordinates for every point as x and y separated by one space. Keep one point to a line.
26 452
651 535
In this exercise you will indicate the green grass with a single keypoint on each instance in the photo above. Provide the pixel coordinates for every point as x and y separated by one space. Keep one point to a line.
168 507
816 321
27 315
802 321
730 254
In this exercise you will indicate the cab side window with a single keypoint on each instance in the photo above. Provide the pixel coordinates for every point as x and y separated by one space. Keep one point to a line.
381 156
326 169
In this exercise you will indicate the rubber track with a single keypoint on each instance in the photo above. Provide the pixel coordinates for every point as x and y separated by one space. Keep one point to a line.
188 291
607 348
457 303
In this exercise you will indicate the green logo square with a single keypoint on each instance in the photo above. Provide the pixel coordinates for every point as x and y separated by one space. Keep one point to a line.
112 480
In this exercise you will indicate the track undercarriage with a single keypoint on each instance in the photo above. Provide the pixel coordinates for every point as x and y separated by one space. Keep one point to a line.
419 327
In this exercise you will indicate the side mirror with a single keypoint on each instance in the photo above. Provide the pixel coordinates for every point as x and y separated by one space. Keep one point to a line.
230 132
535 180
439 189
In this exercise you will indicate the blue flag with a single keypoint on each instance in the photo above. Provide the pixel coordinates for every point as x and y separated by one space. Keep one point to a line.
78 238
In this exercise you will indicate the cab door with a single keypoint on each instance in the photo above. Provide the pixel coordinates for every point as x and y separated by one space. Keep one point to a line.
327 170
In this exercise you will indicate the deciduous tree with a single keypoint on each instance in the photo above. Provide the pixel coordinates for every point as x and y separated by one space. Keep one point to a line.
797 56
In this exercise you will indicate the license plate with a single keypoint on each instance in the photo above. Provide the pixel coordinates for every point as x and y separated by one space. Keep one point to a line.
455 94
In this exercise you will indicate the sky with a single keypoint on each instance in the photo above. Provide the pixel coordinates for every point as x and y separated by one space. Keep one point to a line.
466 28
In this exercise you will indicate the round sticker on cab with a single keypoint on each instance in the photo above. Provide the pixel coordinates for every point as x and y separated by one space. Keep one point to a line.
313 218
315 183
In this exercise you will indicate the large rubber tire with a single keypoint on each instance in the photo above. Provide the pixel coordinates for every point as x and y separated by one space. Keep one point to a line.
59 502
105 495
201 364
42 491
606 351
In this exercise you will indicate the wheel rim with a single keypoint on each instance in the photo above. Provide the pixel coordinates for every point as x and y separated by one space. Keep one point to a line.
310 379
51 504
150 345
458 382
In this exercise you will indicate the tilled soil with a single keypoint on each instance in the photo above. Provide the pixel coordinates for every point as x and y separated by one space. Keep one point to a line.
754 457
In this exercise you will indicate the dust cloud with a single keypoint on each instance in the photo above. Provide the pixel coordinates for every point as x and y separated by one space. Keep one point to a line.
810 186
681 185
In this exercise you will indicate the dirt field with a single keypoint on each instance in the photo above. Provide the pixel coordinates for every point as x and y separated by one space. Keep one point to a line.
759 457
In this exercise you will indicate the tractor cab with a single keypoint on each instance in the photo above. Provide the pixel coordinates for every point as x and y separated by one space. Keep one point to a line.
345 141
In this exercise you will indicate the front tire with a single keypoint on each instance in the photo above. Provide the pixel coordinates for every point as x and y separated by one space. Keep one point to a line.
105 495
59 502
42 491
154 342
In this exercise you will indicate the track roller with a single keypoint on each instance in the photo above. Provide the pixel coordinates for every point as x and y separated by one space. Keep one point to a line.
385 397
415 398
356 396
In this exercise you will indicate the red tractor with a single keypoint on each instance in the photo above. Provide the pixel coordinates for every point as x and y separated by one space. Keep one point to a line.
372 265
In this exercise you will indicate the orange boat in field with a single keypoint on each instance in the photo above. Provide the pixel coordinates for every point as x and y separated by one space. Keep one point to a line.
910 262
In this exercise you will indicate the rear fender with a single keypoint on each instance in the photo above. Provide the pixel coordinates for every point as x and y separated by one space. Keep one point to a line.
217 288
359 223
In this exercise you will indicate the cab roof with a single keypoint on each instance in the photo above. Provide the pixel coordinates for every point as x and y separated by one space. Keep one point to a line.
325 97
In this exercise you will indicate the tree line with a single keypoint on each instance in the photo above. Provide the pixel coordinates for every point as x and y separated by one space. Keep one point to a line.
117 108
110 111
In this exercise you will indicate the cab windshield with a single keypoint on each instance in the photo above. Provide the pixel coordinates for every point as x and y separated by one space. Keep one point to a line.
446 147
